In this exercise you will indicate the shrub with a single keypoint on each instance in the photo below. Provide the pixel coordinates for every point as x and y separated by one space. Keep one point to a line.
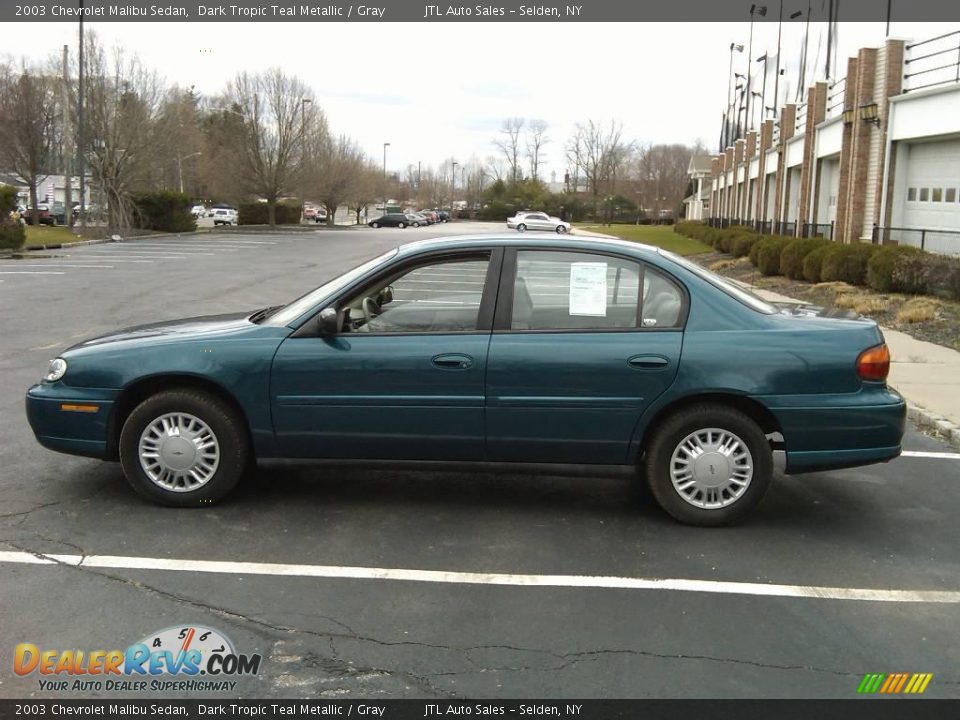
813 263
793 255
918 310
768 255
744 244
8 200
847 263
12 234
880 268
923 272
258 213
164 210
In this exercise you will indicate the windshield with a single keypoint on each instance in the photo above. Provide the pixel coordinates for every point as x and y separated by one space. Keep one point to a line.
298 307
741 294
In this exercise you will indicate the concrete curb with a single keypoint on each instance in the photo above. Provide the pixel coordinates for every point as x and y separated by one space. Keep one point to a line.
933 423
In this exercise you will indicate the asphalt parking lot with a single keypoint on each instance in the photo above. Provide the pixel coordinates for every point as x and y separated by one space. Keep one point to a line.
399 583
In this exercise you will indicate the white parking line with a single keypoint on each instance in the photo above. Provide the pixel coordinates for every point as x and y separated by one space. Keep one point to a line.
110 258
29 272
63 265
468 578
924 454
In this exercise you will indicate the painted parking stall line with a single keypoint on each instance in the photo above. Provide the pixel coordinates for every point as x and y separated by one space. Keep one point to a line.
932 455
813 592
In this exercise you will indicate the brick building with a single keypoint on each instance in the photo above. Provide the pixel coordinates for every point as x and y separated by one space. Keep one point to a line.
871 157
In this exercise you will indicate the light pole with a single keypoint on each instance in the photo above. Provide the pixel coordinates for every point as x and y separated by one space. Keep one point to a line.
180 165
81 140
303 155
385 198
760 10
763 88
726 127
453 185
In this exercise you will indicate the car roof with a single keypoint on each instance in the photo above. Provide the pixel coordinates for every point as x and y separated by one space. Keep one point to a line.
565 242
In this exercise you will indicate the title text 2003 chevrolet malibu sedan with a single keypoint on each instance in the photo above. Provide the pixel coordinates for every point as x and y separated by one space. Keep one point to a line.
516 350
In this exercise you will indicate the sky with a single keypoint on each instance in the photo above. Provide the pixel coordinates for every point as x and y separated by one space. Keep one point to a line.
436 91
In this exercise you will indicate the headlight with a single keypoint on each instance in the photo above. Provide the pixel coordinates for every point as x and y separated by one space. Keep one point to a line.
57 369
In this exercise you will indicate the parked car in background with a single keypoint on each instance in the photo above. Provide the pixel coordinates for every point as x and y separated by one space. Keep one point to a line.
431 215
43 215
313 214
198 211
399 220
443 215
225 216
524 221
491 349
419 220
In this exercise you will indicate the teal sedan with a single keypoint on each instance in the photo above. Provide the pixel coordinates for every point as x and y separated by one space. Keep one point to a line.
488 349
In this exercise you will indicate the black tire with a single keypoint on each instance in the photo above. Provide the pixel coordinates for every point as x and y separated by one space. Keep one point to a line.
416 224
561 229
521 228
674 429
374 225
222 419
401 225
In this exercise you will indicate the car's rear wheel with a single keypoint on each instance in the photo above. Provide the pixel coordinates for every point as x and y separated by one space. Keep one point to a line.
374 225
561 229
521 228
401 225
183 448
708 465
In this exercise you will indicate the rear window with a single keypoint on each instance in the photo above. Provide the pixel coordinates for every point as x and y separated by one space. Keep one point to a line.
746 297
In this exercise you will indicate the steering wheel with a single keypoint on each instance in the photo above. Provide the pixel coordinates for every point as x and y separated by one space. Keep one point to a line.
370 310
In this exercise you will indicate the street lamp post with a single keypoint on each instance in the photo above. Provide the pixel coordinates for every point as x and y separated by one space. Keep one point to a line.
385 198
760 10
453 184
726 127
303 147
180 165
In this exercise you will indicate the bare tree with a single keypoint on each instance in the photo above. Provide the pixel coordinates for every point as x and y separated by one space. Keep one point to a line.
123 103
336 167
536 140
365 188
661 172
278 112
509 145
28 114
598 154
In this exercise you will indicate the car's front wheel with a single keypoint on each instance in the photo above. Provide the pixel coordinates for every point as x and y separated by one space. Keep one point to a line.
521 228
561 229
401 225
183 448
708 465
374 225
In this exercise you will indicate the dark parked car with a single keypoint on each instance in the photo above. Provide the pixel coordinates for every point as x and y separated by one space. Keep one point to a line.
400 220
44 215
508 349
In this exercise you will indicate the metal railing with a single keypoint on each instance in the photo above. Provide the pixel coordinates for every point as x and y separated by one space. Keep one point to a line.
815 230
932 62
835 97
944 242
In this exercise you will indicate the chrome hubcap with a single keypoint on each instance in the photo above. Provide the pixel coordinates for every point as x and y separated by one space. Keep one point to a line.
711 468
179 452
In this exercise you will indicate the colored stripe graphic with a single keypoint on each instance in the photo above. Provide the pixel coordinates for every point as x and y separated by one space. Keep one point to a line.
894 683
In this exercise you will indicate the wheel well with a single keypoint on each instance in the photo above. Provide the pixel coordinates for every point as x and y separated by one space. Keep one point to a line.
139 391
749 407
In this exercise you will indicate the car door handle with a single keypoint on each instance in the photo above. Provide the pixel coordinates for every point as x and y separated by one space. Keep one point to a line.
453 361
648 362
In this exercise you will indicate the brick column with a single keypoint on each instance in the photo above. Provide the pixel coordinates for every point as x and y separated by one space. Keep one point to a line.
749 153
788 118
816 113
766 140
846 153
893 86
738 152
853 190
728 186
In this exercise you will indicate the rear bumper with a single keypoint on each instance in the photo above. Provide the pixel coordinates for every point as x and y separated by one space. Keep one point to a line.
826 432
63 418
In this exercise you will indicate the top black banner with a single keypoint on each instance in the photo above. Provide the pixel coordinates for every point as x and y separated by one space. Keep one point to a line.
495 11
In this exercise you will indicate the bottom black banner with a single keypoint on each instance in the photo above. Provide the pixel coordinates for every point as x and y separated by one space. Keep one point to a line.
876 709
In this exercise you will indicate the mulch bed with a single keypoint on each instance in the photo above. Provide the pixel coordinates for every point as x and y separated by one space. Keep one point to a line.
942 329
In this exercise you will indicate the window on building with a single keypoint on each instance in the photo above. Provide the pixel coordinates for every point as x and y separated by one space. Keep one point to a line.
924 194
951 195
936 195
912 195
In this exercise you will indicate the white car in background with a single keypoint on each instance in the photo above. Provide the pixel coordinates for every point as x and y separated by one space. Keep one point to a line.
225 216
198 211
524 221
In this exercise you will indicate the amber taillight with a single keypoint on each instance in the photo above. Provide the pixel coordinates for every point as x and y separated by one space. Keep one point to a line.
874 363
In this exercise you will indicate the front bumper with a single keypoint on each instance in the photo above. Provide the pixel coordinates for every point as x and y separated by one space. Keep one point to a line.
827 432
71 420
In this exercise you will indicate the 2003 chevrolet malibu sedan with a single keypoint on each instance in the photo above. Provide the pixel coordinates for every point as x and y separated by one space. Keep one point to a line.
488 349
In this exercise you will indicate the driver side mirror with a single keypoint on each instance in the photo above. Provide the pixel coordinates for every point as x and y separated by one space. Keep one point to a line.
328 321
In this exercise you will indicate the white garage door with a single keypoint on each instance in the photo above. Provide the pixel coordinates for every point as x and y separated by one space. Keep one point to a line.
933 194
